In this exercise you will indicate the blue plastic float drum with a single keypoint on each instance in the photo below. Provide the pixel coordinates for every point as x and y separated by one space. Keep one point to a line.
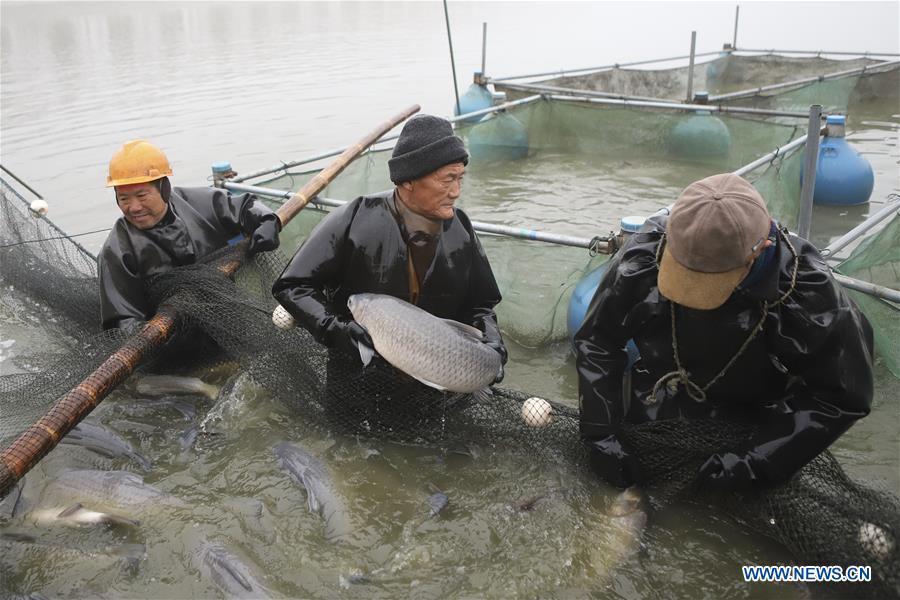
477 97
587 287
843 176
700 135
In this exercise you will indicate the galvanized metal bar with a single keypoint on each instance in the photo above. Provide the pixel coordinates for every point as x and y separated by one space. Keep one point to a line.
296 163
25 185
892 208
483 47
480 226
602 68
767 158
690 81
804 81
452 59
865 54
677 106
879 291
553 89
804 221
737 14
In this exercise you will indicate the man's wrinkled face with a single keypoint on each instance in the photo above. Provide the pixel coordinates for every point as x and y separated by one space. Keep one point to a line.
141 204
434 195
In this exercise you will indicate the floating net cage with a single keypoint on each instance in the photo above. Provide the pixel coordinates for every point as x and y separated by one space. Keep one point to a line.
732 72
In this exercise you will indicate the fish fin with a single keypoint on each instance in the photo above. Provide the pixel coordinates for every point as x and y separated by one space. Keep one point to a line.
430 384
466 330
366 353
484 394
68 512
112 519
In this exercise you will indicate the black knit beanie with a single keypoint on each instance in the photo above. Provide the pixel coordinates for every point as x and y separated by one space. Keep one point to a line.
425 145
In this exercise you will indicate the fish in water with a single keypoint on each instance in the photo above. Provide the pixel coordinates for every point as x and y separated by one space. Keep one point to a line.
173 385
24 549
104 442
77 514
627 519
232 577
437 501
13 504
308 471
112 488
441 353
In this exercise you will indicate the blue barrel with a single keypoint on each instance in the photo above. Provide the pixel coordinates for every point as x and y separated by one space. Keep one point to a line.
700 135
477 97
500 136
843 176
587 287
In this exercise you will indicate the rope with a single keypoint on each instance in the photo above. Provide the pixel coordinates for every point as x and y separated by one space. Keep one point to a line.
680 376
59 237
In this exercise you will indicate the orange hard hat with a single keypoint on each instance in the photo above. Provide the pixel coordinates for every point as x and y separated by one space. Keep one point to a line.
137 161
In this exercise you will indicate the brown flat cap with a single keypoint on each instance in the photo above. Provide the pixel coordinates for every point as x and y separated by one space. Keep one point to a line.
715 226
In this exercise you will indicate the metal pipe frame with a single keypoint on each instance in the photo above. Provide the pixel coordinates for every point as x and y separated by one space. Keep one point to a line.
480 226
799 82
677 106
782 151
817 53
804 220
690 81
586 70
872 289
737 14
483 47
287 165
892 208
452 58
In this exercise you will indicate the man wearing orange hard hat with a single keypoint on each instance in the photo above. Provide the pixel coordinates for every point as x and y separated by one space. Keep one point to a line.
163 227
735 319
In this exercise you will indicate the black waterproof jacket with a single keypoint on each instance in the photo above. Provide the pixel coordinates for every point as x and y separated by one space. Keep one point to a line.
804 379
359 248
204 220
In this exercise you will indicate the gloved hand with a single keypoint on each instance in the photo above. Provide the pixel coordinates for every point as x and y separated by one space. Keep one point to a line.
611 462
265 236
728 471
353 339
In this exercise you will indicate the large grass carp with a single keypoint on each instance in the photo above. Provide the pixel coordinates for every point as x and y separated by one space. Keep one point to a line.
441 353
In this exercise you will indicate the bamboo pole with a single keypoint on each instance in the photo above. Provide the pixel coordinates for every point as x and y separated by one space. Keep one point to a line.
42 437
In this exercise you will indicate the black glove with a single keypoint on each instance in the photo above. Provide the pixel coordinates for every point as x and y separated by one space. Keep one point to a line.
611 462
265 236
728 471
353 339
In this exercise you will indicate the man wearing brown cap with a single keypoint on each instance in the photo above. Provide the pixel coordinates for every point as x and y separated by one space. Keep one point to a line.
410 242
735 319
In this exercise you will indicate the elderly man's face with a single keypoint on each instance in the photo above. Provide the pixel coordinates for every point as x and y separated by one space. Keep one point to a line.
141 204
434 195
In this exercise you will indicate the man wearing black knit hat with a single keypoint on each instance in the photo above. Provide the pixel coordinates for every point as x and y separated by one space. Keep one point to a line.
409 242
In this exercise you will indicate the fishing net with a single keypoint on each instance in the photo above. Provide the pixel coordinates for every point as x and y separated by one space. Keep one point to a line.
732 72
877 260
820 515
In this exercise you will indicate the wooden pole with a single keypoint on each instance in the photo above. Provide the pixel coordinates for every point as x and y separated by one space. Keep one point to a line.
39 439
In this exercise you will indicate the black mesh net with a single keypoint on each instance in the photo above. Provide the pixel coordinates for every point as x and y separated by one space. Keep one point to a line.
821 516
